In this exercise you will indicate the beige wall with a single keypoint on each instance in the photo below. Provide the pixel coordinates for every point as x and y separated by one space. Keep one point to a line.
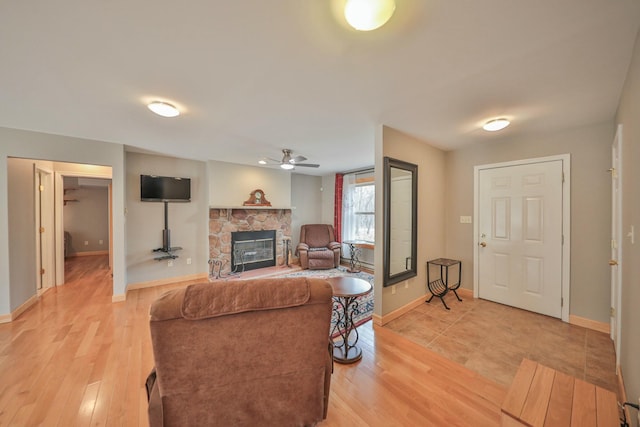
306 202
431 209
188 222
35 145
590 150
629 117
232 184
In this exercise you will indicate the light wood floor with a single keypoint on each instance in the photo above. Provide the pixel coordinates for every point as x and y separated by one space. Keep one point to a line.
77 359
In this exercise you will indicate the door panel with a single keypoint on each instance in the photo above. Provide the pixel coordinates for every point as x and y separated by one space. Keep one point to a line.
520 235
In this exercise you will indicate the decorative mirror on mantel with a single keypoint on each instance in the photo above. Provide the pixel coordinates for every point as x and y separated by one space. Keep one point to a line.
400 220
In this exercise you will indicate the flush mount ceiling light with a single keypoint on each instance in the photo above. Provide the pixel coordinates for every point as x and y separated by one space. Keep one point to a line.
262 161
163 109
367 15
496 124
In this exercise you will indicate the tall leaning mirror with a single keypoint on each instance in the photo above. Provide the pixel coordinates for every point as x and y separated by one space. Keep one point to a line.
400 220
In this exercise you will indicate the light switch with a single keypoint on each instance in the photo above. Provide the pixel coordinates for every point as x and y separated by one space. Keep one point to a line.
465 220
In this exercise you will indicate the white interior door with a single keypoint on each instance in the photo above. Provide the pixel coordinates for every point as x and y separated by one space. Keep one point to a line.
520 236
616 240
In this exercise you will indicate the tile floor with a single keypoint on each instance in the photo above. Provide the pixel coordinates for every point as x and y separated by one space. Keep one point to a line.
492 339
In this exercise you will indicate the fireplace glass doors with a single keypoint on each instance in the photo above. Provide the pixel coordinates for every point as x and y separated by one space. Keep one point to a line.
253 249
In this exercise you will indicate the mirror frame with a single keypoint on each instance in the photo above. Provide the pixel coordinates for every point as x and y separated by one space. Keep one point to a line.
388 278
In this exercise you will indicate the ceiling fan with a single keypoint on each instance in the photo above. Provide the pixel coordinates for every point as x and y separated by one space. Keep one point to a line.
289 162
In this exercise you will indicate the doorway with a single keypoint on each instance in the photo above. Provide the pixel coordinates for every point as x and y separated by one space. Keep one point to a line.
71 196
522 234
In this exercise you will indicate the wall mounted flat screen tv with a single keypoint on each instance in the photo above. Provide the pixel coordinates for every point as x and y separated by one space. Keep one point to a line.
164 189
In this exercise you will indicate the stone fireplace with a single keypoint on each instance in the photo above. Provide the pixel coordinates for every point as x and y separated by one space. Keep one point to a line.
223 222
251 250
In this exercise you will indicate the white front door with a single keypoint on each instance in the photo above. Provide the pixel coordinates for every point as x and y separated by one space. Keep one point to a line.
519 227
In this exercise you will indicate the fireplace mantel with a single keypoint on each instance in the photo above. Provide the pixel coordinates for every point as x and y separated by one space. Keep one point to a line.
270 208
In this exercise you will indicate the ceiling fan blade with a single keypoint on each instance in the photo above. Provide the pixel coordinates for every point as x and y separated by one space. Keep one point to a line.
307 165
277 162
297 159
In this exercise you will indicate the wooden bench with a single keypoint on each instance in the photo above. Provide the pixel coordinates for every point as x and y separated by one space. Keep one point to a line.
541 396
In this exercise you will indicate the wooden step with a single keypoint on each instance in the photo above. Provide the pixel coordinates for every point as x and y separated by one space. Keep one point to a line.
543 397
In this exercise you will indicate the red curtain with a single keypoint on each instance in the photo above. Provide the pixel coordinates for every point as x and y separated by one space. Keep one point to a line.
337 208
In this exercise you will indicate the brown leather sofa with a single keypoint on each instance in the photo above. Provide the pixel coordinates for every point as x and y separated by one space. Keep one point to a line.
241 353
317 248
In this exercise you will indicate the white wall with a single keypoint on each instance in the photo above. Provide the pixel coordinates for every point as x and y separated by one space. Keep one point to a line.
188 222
232 184
34 145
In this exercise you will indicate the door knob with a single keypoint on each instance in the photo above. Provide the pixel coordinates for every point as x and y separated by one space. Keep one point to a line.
483 244
613 262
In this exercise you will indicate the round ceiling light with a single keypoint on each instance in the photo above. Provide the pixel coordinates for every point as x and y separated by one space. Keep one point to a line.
367 15
163 109
496 124
286 166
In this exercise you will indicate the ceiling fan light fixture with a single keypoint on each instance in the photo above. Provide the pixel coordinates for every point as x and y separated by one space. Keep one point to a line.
367 15
262 161
287 166
163 109
496 125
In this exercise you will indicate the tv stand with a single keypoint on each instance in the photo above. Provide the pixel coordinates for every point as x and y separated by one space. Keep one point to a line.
166 248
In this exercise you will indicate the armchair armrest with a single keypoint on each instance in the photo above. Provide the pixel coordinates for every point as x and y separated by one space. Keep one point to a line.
302 247
334 245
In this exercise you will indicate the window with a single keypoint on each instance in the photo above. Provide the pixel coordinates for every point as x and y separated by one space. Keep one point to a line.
358 207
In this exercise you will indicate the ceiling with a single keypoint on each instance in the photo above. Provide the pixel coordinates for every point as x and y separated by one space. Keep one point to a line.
254 77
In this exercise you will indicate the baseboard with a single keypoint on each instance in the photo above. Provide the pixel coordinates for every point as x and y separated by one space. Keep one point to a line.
589 324
464 292
622 391
169 280
118 298
5 318
44 290
377 319
23 307
88 253
402 310
383 320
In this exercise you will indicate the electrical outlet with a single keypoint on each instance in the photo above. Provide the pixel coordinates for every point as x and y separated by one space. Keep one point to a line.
100 242
393 290
86 243
188 261
170 263
406 285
